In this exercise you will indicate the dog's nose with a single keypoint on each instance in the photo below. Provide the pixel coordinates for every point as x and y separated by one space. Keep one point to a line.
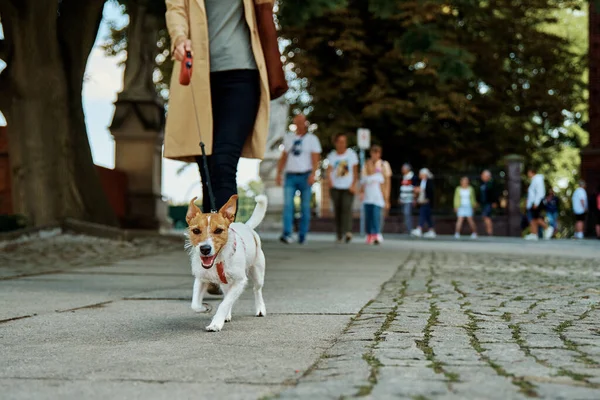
205 249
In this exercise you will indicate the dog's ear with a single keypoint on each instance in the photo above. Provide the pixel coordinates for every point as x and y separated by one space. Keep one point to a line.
192 211
230 208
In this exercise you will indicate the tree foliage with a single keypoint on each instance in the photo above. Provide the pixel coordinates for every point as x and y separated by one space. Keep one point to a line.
448 85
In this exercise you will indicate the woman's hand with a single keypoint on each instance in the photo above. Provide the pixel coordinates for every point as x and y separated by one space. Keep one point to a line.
181 49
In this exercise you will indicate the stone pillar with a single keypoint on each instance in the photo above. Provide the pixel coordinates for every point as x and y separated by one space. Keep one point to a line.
590 156
514 169
138 125
278 127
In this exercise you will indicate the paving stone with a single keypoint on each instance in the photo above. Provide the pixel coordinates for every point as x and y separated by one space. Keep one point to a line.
447 324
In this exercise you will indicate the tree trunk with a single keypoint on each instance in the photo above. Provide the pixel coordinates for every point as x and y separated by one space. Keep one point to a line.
52 168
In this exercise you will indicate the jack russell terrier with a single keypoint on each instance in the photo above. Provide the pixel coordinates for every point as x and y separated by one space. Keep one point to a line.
226 253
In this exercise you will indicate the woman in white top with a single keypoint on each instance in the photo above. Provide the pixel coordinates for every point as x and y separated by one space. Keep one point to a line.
464 202
372 187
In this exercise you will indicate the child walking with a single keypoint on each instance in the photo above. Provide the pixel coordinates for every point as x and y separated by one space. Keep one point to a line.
372 186
464 202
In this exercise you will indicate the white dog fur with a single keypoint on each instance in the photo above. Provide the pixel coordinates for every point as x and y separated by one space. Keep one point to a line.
242 257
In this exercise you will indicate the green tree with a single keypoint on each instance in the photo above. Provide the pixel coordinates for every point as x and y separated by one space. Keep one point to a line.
46 46
448 85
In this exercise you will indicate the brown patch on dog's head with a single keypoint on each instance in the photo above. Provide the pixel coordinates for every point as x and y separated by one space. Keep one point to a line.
209 232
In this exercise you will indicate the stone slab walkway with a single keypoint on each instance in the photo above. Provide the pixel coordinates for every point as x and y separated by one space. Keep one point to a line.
410 319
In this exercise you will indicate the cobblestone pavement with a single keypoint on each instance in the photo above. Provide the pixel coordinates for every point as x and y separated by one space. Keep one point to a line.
452 325
49 252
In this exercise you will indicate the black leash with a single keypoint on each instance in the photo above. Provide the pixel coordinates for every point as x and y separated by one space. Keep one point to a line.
188 65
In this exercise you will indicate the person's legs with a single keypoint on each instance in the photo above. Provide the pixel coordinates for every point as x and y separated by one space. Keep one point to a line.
487 219
336 199
205 195
347 199
489 228
305 197
422 216
368 211
407 212
289 192
552 219
235 100
472 225
429 218
376 225
533 226
459 222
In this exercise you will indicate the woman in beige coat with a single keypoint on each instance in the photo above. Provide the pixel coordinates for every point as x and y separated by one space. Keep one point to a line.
230 87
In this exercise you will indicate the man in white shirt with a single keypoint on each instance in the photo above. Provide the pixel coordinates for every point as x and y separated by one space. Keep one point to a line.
580 208
342 177
300 160
535 194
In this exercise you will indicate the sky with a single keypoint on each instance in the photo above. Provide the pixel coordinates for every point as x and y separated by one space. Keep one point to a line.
104 80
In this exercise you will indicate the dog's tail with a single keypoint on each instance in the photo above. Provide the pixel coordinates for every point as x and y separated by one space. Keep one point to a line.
259 212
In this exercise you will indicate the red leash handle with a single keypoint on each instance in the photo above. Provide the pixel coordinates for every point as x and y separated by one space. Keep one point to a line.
187 66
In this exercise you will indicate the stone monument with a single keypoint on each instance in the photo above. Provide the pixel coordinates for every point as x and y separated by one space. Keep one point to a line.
138 124
278 127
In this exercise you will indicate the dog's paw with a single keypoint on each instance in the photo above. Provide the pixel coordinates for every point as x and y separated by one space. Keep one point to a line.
214 327
199 308
228 319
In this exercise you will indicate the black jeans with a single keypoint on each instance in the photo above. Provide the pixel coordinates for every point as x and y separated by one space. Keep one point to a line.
235 100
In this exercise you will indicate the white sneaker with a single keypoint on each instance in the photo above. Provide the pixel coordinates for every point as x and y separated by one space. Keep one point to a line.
430 234
416 232
548 233
474 236
531 236
457 235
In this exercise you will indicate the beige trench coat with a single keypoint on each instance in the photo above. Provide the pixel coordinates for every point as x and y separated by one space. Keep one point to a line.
187 19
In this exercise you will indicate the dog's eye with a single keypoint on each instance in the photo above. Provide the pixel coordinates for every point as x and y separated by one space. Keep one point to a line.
196 231
218 231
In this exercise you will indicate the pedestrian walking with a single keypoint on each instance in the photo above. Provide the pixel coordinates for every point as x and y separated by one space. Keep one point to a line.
580 208
424 193
552 206
488 200
464 203
373 201
300 161
535 194
407 194
385 169
230 84
342 174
